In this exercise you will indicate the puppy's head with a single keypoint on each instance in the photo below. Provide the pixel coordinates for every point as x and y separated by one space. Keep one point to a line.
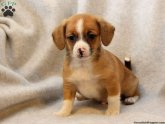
82 35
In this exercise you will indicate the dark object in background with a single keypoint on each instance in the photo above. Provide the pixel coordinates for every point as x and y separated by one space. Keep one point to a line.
8 11
127 61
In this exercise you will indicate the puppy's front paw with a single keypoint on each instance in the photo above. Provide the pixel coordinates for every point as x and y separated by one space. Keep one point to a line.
62 113
66 108
112 111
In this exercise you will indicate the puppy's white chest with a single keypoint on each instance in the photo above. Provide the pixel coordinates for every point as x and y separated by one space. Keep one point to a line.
89 89
86 83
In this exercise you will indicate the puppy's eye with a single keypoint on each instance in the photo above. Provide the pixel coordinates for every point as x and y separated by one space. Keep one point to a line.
91 36
72 38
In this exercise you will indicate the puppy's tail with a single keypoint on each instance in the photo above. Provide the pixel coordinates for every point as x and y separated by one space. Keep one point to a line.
127 61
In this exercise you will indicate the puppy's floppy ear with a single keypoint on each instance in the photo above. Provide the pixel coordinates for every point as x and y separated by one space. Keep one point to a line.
106 31
59 35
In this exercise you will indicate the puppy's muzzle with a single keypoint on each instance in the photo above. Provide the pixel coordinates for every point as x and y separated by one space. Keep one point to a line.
82 52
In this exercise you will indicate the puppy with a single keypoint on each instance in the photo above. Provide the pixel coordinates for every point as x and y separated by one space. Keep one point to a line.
90 70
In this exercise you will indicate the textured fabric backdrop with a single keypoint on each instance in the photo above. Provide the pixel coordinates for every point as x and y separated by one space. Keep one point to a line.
30 64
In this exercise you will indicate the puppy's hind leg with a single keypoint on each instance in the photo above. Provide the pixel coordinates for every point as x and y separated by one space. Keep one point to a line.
130 93
130 89
132 99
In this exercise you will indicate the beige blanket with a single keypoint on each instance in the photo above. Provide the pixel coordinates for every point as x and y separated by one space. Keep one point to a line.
30 64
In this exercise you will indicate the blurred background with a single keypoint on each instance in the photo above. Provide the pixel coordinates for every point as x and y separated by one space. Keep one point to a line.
31 65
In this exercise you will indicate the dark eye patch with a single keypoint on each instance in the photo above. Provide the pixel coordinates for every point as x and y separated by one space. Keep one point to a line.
91 36
72 37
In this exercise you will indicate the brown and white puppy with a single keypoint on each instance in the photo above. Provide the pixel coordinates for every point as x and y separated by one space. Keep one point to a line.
90 70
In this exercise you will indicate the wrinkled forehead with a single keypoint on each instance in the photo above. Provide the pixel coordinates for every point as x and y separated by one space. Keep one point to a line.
82 24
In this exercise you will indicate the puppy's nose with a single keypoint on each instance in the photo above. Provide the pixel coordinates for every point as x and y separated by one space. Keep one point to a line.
80 52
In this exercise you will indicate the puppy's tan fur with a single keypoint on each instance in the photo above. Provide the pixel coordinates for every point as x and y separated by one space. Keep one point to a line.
107 77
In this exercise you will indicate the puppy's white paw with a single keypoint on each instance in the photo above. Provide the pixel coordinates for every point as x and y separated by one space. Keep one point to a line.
62 113
112 112
113 105
131 100
66 108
